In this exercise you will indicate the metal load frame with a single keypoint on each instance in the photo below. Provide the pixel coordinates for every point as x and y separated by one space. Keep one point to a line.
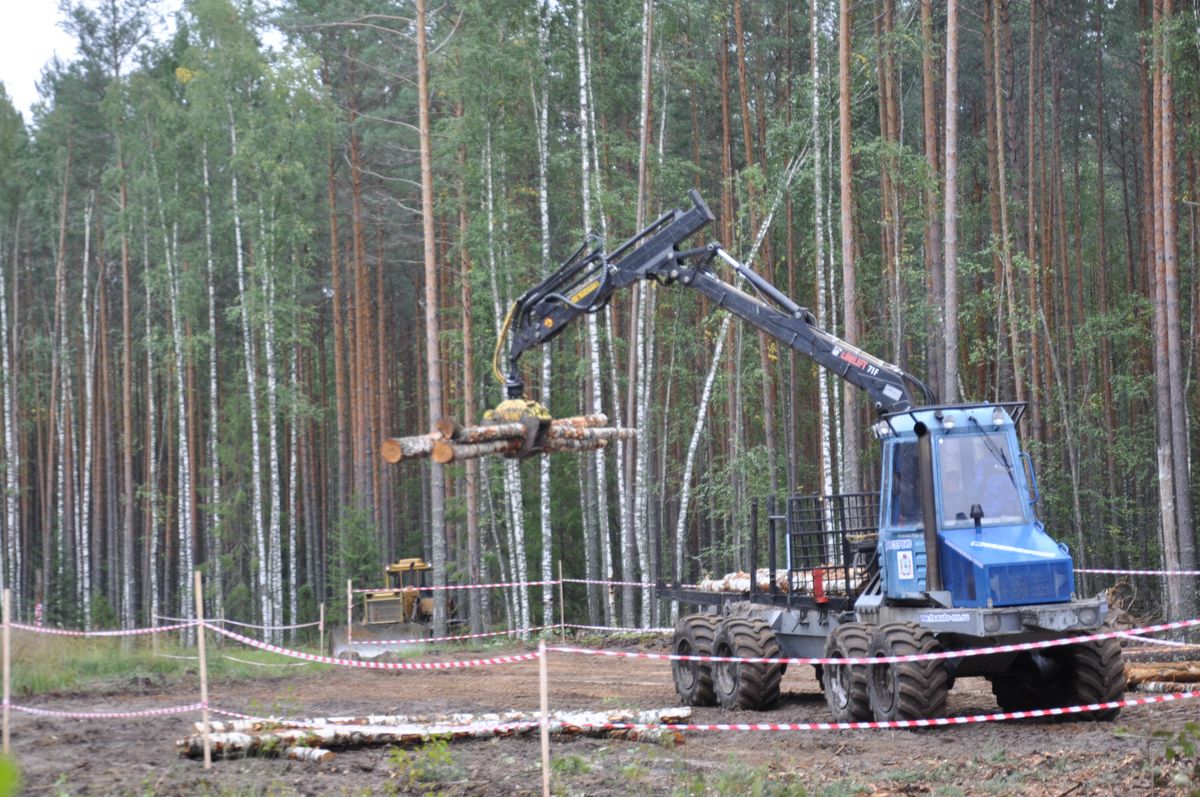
833 534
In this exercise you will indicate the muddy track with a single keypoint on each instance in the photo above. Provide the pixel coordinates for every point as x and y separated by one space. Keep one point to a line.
1030 757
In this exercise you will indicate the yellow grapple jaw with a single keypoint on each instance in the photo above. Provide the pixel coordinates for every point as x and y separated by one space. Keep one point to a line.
533 415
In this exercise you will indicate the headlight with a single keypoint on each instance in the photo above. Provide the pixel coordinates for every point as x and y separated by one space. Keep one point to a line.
997 416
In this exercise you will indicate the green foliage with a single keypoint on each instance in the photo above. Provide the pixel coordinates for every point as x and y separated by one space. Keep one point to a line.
1181 763
425 767
356 540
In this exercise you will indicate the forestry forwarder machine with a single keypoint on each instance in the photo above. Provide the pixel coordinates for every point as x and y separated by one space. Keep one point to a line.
947 556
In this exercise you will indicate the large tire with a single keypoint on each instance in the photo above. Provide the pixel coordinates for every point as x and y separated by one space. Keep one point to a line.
694 636
744 685
906 690
1098 676
845 685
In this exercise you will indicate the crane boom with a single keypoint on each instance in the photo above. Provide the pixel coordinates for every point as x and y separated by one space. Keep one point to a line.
587 280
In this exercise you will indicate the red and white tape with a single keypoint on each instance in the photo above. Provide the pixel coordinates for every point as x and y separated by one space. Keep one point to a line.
421 640
921 723
373 665
617 629
41 629
604 583
946 654
1138 572
466 586
266 627
107 715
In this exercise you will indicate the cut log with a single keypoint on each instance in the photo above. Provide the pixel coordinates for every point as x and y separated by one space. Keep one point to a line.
590 433
326 735
450 430
580 421
1181 672
448 451
309 754
395 449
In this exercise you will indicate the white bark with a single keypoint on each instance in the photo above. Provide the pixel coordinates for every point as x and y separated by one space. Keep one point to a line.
213 543
512 474
293 492
186 608
86 436
248 353
266 261
819 244
10 550
542 109
151 447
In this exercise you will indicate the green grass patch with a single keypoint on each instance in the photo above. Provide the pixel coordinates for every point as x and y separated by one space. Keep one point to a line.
43 663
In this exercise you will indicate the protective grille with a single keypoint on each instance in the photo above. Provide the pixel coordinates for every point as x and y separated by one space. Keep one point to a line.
1028 583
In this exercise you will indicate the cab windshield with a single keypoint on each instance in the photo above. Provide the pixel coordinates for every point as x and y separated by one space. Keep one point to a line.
977 469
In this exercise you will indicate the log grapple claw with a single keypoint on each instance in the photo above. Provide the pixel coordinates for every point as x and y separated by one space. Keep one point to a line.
533 415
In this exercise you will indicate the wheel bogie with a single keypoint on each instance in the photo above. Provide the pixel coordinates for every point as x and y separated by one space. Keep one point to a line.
753 686
906 690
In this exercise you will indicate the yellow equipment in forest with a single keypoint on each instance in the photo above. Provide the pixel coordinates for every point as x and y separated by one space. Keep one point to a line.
400 612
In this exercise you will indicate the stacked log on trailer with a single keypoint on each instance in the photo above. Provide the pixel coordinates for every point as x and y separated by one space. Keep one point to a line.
450 442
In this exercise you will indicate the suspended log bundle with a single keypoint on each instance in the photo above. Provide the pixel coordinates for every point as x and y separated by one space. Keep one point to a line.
450 442
316 739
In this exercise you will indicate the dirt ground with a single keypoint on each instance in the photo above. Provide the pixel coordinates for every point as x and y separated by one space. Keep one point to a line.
138 757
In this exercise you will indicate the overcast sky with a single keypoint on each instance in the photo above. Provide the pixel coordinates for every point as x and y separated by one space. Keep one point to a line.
29 37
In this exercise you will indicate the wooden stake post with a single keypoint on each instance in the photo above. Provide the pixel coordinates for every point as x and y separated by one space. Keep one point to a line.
203 671
562 607
7 662
544 691
349 617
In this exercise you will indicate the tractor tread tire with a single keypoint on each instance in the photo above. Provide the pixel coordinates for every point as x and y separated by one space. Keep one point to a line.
1022 692
845 685
742 685
907 690
1099 677
694 636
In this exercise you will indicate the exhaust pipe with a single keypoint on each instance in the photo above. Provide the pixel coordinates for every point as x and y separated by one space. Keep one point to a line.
933 573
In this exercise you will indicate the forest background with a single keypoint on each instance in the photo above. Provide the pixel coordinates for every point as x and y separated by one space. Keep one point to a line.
228 271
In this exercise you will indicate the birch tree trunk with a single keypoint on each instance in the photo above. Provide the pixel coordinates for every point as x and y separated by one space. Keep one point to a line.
819 224
87 433
10 567
150 516
215 510
265 598
266 263
542 109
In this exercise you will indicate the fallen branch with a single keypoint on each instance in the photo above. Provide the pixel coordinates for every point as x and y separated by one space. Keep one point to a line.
266 738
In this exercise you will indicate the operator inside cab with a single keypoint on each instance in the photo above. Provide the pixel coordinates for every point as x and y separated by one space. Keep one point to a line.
976 470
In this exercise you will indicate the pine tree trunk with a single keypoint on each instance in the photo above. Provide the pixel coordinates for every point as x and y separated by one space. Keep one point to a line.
950 198
851 469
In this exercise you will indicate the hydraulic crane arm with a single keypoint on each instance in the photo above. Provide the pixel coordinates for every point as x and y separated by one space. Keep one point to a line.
589 278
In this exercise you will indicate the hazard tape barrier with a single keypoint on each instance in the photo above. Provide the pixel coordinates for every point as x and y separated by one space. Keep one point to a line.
617 629
422 640
1168 642
1138 572
945 654
894 724
604 583
107 715
41 629
243 625
497 585
373 665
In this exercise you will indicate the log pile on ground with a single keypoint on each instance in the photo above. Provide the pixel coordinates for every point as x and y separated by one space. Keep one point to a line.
317 739
1175 669
449 442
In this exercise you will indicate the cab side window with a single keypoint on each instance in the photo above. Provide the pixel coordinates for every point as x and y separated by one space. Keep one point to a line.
906 495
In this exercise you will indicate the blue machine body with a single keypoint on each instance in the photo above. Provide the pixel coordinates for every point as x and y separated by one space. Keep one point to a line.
1004 557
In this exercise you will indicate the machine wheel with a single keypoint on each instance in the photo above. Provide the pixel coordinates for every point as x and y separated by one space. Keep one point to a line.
845 685
1098 676
693 679
740 684
906 690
